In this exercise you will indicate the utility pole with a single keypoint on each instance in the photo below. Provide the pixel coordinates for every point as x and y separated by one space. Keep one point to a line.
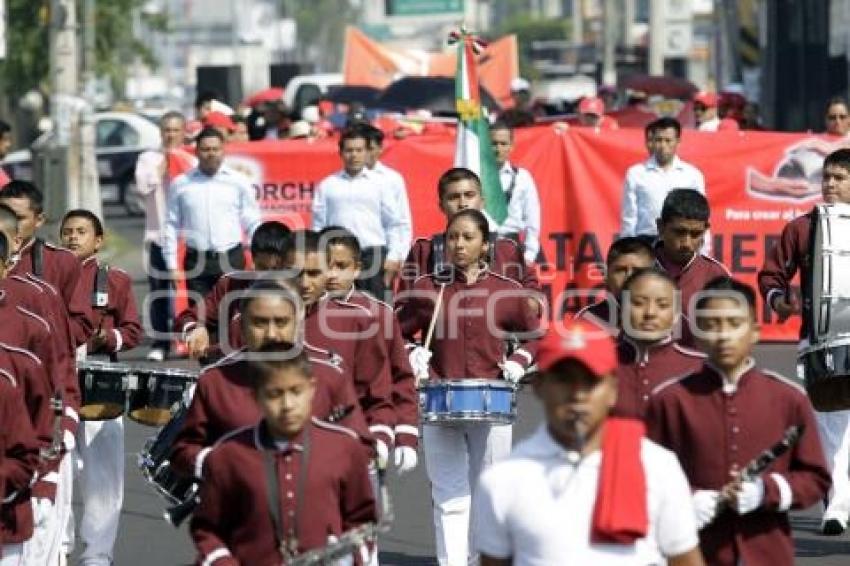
609 42
62 187
657 36
90 198
578 22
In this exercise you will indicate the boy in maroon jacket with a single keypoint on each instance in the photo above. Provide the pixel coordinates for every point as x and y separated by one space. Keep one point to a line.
681 234
720 418
289 484
343 270
790 255
100 443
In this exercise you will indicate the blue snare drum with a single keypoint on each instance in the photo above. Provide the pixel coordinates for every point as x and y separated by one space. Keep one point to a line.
467 400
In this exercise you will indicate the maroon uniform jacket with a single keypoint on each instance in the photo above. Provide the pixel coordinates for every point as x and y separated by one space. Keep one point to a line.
118 317
506 260
61 269
464 346
790 254
18 464
690 280
712 431
641 370
232 524
224 401
405 398
352 332
208 315
602 314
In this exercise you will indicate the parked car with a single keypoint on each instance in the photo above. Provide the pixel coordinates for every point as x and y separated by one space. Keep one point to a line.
119 138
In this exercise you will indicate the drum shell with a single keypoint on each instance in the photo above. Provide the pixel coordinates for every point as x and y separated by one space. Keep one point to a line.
104 389
448 402
158 395
154 461
826 374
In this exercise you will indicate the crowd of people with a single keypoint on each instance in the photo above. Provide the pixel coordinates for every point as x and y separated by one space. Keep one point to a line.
317 344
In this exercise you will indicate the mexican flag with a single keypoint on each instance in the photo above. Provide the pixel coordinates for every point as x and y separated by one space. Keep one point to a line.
473 149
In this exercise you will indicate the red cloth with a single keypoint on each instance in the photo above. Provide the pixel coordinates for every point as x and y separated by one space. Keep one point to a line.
621 515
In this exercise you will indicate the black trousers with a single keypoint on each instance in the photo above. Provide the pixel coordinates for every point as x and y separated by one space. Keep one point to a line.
203 268
372 272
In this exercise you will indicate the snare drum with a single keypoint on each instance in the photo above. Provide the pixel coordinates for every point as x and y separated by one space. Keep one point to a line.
158 395
104 388
155 464
825 370
467 400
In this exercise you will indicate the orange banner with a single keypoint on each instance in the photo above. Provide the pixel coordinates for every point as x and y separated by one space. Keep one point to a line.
757 182
368 62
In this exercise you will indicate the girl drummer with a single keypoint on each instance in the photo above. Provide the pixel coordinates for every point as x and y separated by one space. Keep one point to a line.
465 312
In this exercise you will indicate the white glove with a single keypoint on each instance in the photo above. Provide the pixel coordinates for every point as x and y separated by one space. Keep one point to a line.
69 441
405 459
419 358
512 371
705 506
383 454
344 561
750 496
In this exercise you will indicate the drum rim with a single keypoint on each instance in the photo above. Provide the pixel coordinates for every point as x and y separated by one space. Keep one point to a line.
97 364
469 416
839 343
469 383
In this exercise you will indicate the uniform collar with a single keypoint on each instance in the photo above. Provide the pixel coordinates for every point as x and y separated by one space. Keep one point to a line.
542 445
673 269
364 173
643 352
264 441
91 259
449 274
507 167
731 382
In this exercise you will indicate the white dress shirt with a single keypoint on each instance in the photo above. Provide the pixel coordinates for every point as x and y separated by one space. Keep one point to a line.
523 208
537 507
403 230
645 188
209 212
368 206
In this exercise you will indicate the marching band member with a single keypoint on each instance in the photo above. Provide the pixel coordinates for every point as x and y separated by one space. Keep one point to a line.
350 331
647 353
18 464
270 245
720 418
625 256
470 343
343 270
284 486
790 255
682 228
222 401
100 443
585 488
459 189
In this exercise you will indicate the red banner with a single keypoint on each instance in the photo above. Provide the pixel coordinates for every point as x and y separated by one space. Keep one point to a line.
756 182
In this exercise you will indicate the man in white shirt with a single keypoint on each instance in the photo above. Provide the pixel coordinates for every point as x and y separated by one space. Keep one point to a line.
647 183
540 506
523 221
362 201
152 180
213 207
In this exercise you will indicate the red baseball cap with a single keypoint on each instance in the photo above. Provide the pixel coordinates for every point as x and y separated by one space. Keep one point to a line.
707 99
591 105
219 120
581 341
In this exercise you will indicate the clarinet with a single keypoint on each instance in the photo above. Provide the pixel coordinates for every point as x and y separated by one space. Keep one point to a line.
760 463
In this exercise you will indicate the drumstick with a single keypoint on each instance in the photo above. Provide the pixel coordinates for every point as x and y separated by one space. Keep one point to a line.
433 324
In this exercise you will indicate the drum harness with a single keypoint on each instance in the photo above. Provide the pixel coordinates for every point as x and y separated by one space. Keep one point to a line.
100 298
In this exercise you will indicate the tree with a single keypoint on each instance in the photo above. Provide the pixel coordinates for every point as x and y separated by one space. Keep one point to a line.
28 63
528 29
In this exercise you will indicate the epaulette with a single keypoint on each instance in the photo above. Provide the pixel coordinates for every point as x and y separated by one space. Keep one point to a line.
712 260
672 381
689 352
29 313
9 376
56 248
372 298
32 284
23 351
503 278
782 379
352 305
329 363
44 282
334 427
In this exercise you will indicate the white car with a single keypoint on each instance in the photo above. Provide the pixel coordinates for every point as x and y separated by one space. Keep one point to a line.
119 138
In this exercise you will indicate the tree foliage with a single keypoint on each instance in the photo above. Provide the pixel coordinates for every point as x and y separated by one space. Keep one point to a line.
528 29
27 64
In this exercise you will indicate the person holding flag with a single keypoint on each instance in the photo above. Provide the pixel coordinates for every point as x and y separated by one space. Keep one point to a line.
155 169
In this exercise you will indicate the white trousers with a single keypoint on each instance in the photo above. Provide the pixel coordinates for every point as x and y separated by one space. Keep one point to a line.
13 555
45 545
834 430
100 481
454 458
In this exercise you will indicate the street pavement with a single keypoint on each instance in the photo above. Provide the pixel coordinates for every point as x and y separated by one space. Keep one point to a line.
145 538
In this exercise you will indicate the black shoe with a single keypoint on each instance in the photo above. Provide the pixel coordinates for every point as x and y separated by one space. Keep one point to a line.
833 528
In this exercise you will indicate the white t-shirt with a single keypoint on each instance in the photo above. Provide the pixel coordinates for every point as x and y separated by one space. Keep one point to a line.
537 508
